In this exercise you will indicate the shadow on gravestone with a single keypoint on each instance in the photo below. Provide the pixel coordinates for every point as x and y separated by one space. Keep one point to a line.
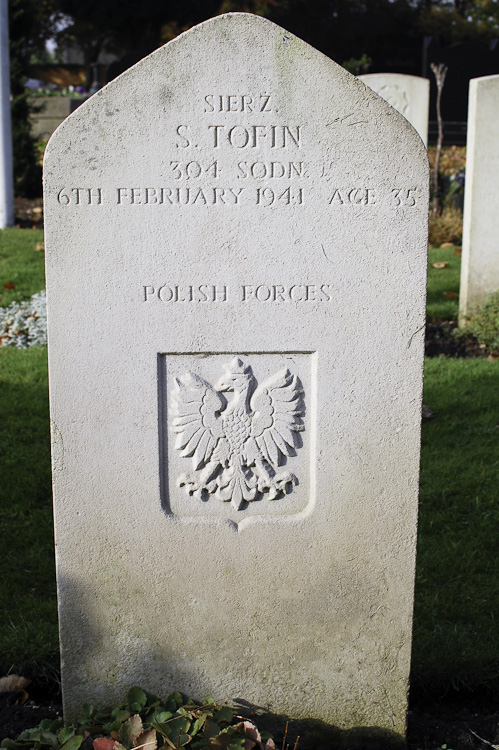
170 670
236 239
90 638
318 735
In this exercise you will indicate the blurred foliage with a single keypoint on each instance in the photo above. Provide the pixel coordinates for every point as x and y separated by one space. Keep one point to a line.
447 226
129 26
483 323
460 20
452 159
30 25
358 67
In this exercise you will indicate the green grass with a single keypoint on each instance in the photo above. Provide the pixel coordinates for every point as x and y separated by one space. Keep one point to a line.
28 635
456 632
20 264
441 283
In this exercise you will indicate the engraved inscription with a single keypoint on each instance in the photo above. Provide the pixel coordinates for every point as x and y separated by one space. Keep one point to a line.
238 443
190 293
361 196
253 136
248 293
178 196
237 103
357 196
194 194
80 196
293 293
244 167
260 170
405 198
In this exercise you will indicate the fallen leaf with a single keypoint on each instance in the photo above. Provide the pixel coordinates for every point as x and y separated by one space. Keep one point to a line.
146 740
493 357
427 413
39 246
9 285
21 697
251 731
104 743
458 251
447 244
130 730
451 295
440 264
13 684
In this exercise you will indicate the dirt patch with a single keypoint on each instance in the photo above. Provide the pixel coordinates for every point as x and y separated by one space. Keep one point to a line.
431 724
458 721
14 718
441 341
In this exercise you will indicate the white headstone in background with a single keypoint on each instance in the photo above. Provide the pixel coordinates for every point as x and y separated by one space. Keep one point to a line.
236 255
410 95
480 259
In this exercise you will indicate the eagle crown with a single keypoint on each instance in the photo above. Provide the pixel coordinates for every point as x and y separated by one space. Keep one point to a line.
238 379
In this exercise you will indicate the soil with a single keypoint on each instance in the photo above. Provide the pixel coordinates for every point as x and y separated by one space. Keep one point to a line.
441 341
456 722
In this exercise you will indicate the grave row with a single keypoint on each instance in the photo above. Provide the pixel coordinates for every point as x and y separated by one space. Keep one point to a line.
480 258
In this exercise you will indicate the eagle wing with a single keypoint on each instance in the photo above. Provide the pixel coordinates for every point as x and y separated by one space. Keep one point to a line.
196 419
277 406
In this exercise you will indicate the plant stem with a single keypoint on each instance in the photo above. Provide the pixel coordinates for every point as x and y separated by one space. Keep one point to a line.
439 71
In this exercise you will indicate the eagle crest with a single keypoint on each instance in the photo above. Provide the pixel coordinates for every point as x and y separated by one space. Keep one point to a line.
237 444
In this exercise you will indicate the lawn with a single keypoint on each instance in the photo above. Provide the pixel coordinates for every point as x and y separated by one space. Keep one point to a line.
456 631
21 264
456 626
442 300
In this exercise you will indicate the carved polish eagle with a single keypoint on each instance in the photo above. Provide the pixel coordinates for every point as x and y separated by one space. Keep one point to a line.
238 444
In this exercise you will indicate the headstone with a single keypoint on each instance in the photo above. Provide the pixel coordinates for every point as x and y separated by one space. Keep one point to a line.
409 95
480 259
236 252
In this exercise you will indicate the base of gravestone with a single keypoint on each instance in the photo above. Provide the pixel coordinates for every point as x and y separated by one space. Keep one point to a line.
312 734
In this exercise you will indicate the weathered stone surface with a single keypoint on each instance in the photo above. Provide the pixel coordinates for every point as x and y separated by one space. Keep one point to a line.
480 259
236 254
410 95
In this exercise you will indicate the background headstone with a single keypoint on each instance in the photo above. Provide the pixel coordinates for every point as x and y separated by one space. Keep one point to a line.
238 211
480 259
410 95
50 112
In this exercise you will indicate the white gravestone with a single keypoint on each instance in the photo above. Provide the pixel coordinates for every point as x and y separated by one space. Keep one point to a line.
236 253
410 95
480 259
